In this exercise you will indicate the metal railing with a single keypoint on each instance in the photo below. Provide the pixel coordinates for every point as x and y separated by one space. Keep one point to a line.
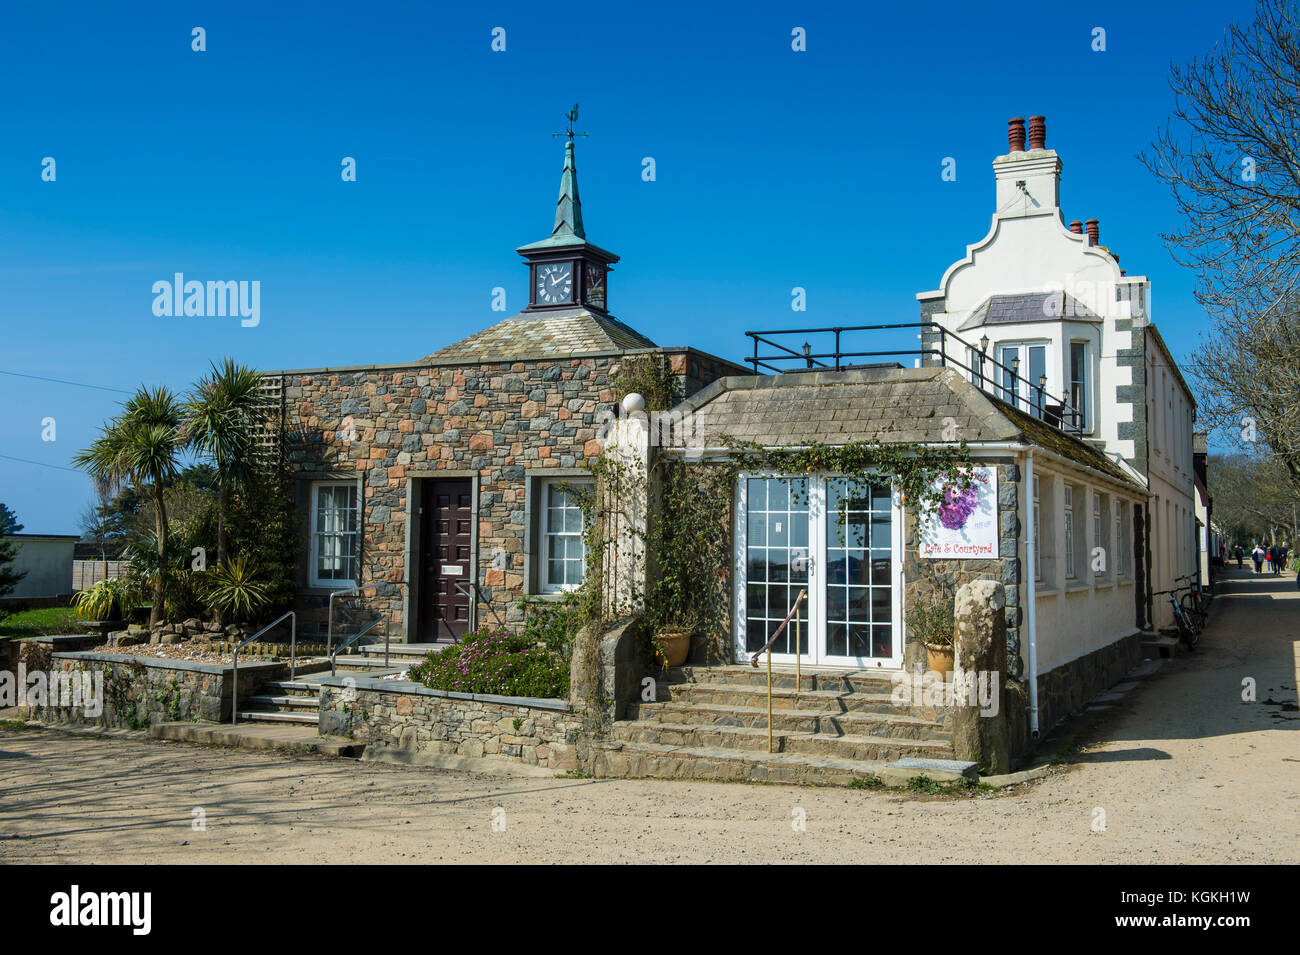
329 621
353 639
1033 398
293 661
798 653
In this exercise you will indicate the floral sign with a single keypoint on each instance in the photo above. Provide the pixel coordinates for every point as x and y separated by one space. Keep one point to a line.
965 524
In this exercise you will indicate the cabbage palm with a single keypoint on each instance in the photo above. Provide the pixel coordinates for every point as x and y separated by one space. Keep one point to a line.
141 446
221 421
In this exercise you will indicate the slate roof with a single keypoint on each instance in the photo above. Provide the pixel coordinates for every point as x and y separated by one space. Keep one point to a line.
885 405
1028 307
561 333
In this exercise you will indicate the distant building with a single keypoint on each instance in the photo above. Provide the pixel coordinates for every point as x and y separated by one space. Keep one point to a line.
47 561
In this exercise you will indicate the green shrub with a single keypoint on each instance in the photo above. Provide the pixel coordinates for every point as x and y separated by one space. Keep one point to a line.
498 662
553 622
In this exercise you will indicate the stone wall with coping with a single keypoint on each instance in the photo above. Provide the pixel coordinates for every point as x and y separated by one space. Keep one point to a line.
409 720
139 693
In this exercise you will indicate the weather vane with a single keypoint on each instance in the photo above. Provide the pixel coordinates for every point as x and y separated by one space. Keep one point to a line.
571 116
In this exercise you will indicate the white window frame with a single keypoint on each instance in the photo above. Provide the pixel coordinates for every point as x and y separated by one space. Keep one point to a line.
333 583
1084 405
1068 500
1121 569
544 534
1038 535
1026 390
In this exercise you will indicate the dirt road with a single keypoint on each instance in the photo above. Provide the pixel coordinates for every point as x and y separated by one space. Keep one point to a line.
1186 772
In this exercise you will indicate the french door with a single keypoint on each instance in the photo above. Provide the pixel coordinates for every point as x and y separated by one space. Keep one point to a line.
840 540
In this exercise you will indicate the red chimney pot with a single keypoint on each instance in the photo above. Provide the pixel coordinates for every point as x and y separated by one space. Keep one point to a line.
1094 231
1016 135
1037 132
1076 227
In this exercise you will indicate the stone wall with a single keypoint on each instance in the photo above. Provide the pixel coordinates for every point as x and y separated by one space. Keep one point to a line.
138 693
408 721
1065 689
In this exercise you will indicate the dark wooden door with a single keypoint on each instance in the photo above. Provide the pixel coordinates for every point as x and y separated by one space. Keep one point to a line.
446 531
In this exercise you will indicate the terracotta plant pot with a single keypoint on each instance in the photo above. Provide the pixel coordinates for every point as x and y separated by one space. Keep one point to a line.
939 659
676 646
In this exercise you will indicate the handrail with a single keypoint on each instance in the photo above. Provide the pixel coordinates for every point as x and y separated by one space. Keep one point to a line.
329 618
293 662
352 639
798 654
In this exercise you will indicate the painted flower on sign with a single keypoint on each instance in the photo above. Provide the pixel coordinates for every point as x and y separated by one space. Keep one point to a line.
958 505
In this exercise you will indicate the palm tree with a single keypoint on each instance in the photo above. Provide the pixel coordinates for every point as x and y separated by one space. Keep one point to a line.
141 446
221 421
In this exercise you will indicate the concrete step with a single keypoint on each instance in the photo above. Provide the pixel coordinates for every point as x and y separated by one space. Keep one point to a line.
365 661
1160 645
752 739
621 759
891 725
785 698
282 703
284 737
401 651
275 716
292 688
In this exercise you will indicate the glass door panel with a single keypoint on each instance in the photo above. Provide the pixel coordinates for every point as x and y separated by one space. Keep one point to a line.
776 559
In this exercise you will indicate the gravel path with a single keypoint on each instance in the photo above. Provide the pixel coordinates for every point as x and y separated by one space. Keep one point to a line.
1184 772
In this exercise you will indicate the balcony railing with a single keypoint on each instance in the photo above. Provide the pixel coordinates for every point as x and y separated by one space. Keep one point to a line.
774 355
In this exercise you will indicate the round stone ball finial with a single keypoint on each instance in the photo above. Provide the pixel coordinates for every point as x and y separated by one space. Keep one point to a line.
632 403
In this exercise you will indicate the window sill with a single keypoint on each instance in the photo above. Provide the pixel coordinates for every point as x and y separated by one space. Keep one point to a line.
1077 588
318 589
1103 584
1124 583
1043 591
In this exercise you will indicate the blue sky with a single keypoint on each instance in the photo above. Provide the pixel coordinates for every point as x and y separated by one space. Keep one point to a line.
774 169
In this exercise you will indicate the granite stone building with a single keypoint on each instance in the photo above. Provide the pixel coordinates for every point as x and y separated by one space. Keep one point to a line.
437 484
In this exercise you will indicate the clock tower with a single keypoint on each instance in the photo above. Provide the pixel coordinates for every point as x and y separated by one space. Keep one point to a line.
565 271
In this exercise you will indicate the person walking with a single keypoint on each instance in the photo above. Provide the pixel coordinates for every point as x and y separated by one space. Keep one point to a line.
1240 554
1257 556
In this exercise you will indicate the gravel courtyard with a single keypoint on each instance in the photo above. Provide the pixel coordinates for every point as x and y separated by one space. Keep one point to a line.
1182 769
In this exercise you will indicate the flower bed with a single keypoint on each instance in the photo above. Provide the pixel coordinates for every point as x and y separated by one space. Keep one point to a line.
496 662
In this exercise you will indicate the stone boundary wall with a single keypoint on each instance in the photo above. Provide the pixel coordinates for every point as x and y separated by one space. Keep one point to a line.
139 693
410 720
1067 688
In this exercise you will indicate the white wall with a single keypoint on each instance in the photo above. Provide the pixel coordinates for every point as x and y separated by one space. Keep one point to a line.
48 562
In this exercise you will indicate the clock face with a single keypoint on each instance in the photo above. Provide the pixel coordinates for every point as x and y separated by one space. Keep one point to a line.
555 283
595 285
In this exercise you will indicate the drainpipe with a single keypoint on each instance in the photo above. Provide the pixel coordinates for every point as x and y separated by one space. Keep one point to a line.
1031 594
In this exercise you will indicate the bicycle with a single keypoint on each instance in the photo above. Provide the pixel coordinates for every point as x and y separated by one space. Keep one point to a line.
1196 602
1188 631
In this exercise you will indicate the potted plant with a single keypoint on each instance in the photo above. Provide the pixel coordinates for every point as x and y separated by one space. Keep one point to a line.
107 601
931 621
673 644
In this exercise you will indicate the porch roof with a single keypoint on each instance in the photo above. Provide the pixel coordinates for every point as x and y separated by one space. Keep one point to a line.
558 333
884 405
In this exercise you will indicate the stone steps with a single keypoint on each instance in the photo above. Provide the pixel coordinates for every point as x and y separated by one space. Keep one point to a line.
621 759
829 728
750 739
848 681
786 698
891 725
